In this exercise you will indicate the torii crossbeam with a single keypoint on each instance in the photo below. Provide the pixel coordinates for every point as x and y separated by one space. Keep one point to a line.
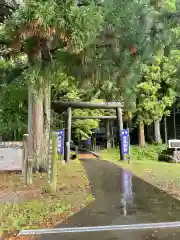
60 106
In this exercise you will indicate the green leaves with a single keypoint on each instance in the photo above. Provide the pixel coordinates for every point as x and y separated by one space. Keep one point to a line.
85 25
156 93
13 100
57 21
42 11
83 128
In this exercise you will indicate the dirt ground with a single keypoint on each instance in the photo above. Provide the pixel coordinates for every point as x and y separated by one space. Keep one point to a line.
87 156
19 203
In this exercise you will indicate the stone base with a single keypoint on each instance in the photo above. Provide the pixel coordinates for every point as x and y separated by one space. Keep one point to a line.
168 155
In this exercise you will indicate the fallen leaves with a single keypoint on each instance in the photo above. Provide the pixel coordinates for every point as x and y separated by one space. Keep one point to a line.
37 209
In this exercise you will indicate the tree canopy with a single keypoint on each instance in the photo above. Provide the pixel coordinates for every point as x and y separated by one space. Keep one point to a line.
85 51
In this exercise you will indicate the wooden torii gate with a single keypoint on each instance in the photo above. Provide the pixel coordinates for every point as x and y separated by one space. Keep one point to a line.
61 106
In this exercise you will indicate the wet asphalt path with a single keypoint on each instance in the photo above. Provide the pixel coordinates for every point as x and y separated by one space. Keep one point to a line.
122 198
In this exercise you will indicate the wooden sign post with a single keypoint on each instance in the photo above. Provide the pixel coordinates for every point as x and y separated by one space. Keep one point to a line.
52 167
27 163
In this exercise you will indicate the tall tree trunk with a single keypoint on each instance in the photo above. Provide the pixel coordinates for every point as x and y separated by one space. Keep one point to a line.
141 135
157 133
47 121
37 126
148 133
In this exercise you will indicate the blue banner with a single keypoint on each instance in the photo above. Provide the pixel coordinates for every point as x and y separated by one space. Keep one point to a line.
125 141
61 141
88 141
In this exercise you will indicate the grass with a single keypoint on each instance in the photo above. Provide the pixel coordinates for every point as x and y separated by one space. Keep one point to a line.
145 165
45 210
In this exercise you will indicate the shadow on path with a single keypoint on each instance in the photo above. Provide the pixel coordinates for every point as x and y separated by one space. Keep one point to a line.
122 198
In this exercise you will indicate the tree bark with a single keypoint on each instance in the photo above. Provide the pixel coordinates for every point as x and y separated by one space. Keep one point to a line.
157 133
39 118
150 136
37 126
141 135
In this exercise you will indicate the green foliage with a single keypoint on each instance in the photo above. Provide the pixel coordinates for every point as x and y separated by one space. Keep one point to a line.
156 92
83 128
80 25
128 26
36 27
65 88
149 153
13 107
13 98
97 52
146 154
8 71
174 60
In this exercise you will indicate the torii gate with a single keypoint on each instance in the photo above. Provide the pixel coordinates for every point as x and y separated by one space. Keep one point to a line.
60 106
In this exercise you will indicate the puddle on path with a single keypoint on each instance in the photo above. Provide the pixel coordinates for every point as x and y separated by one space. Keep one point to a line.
122 198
